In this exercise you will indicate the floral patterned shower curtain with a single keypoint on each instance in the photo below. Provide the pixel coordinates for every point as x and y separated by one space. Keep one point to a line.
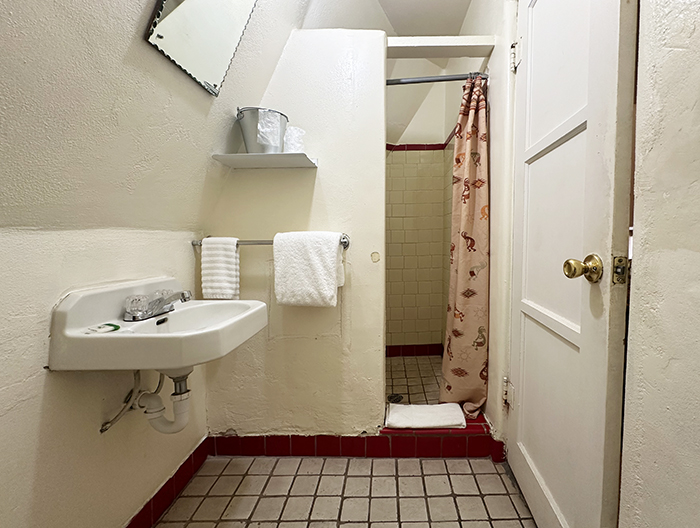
465 359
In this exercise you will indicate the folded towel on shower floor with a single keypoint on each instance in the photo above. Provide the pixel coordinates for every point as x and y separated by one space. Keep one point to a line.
442 415
220 268
308 268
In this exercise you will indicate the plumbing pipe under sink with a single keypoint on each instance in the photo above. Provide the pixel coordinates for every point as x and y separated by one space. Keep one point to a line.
155 412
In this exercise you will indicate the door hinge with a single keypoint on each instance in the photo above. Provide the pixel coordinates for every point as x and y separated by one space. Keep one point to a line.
620 270
515 58
506 392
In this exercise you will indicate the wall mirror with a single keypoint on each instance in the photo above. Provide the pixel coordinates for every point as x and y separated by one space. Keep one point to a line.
200 36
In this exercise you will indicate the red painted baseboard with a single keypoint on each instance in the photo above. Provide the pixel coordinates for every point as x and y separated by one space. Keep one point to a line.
434 349
474 441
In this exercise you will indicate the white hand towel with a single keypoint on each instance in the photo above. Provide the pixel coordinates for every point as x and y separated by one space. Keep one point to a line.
308 268
220 268
425 416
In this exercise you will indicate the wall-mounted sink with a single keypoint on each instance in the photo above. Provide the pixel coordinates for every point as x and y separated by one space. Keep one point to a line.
88 331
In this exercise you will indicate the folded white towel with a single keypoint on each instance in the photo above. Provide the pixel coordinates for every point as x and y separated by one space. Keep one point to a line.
308 268
425 416
220 268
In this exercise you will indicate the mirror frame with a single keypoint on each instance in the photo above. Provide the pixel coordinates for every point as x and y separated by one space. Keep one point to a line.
213 90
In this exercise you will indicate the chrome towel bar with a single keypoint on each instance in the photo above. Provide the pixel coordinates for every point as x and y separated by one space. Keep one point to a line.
344 241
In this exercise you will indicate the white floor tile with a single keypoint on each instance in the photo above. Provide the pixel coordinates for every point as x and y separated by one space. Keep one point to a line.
262 466
357 487
383 510
325 508
413 509
226 485
213 466
268 509
330 485
500 507
240 508
335 466
211 509
482 465
437 485
199 486
490 484
238 466
310 466
471 508
297 508
442 509
411 487
183 508
304 485
355 509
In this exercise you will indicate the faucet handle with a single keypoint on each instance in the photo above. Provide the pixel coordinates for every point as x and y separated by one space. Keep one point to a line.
185 296
137 305
164 294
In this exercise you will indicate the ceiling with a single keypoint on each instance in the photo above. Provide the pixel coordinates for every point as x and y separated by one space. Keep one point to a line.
423 17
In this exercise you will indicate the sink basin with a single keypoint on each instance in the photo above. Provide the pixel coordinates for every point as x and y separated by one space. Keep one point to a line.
88 333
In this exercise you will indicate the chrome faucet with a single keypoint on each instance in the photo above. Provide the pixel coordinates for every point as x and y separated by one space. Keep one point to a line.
141 307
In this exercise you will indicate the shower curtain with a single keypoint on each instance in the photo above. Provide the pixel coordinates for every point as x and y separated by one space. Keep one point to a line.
465 358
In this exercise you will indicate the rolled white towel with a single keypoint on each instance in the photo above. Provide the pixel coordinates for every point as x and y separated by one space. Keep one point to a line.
220 268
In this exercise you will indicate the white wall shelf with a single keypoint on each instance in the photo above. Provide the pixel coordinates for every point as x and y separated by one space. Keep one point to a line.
282 160
440 47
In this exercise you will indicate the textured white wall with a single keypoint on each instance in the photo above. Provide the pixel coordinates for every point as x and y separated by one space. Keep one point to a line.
313 370
661 441
64 473
105 149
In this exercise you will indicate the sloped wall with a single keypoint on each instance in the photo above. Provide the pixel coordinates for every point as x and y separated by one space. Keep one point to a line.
313 370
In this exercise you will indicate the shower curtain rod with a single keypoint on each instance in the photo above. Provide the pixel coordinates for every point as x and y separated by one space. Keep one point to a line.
437 78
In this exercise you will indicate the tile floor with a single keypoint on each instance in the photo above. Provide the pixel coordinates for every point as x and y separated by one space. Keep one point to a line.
267 492
417 379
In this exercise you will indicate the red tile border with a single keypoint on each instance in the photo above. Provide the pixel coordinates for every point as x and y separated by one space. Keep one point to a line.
227 445
454 446
143 518
278 446
327 445
429 446
378 447
415 146
253 445
353 446
479 446
433 349
498 451
403 446
422 146
303 446
162 500
183 475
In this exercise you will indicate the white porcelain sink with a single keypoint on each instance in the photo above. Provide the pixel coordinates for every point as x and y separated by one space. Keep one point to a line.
88 333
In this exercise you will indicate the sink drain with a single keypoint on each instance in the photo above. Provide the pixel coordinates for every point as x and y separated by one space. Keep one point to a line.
394 398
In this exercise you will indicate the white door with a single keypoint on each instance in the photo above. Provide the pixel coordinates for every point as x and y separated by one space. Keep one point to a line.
574 144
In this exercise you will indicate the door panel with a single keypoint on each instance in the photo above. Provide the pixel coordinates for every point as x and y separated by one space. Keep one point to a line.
559 65
573 169
553 218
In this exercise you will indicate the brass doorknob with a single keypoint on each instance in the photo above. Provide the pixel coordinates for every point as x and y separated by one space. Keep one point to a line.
591 268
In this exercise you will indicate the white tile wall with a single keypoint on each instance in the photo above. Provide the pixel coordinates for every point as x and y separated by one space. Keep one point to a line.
416 256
